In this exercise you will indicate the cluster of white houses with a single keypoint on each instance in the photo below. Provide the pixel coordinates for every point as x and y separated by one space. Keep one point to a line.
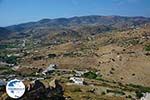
76 79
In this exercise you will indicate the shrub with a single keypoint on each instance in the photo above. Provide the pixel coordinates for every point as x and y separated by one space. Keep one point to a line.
140 88
52 55
7 72
116 92
98 78
38 57
2 88
90 75
103 93
129 96
2 46
139 94
10 60
147 48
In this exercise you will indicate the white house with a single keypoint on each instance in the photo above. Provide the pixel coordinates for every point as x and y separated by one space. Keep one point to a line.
80 73
17 55
49 69
146 96
24 43
77 80
9 55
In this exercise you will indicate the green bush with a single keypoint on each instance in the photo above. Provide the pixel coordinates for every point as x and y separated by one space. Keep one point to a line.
103 93
9 71
140 88
99 78
129 96
3 46
2 88
139 94
116 92
147 48
52 55
90 75
11 60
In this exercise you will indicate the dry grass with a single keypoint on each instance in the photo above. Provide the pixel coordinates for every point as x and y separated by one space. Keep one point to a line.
104 53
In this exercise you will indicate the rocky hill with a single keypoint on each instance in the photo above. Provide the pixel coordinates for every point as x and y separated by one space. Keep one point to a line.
114 54
75 26
114 21
109 54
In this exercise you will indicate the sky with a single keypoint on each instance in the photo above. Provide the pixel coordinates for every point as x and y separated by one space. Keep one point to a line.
21 11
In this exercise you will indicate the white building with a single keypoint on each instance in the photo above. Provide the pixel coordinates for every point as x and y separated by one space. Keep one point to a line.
146 96
49 69
77 80
80 73
9 55
24 43
17 55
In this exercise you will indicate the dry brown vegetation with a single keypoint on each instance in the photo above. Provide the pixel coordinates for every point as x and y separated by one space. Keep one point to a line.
118 55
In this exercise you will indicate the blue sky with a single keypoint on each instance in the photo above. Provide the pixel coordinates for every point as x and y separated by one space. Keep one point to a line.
20 11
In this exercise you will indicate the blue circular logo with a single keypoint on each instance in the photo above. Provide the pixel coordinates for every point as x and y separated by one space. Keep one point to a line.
15 88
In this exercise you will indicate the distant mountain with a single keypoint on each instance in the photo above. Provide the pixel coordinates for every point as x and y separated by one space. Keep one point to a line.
4 33
113 21
71 27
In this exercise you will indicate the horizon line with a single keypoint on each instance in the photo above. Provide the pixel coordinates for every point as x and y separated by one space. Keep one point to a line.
48 18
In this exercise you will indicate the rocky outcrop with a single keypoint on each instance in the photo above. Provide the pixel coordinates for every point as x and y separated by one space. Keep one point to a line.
36 90
55 91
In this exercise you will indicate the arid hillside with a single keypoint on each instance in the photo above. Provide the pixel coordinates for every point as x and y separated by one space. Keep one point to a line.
122 56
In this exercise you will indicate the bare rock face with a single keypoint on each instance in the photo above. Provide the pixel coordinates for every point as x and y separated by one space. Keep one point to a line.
55 91
37 90
34 91
53 83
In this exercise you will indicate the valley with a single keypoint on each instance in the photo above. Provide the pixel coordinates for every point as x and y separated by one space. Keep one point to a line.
92 57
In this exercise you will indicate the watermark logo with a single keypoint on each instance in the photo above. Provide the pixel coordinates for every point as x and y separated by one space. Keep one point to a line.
15 88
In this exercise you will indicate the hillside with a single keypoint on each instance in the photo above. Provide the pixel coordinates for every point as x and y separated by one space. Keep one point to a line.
113 21
114 54
109 55
4 33
75 27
